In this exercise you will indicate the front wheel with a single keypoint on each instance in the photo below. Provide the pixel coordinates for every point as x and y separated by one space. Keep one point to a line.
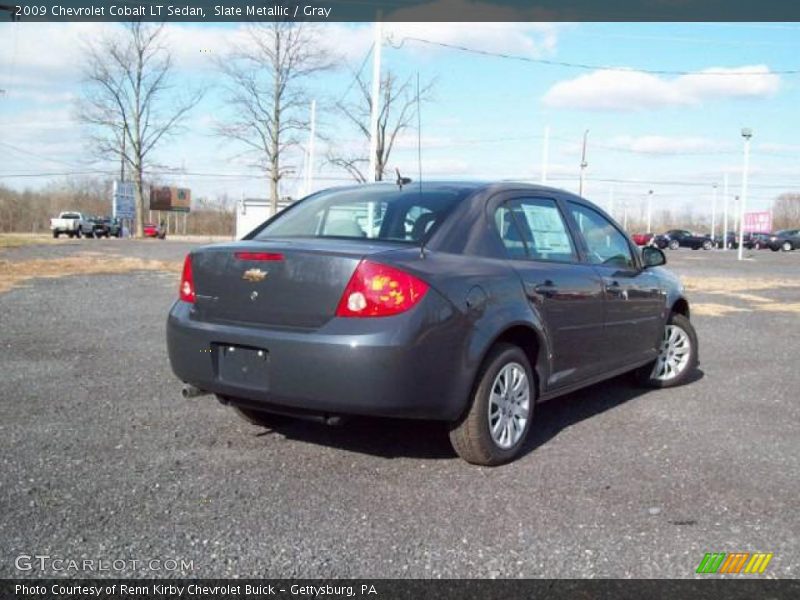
707 245
787 246
493 430
674 245
677 357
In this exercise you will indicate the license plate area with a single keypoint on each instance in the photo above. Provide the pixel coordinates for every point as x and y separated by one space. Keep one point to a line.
243 366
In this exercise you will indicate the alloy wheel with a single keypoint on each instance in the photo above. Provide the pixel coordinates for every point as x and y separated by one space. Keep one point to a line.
509 405
674 354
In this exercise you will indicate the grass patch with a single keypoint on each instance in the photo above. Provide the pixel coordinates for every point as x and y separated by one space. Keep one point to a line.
710 309
14 274
14 240
720 285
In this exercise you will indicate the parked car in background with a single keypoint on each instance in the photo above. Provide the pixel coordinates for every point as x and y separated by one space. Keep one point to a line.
757 240
785 239
470 304
154 231
107 227
682 238
731 240
643 239
67 222
89 227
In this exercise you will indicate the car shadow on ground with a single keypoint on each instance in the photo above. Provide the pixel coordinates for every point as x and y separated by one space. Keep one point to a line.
407 438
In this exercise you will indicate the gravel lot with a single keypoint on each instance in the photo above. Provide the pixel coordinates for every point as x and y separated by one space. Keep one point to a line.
103 459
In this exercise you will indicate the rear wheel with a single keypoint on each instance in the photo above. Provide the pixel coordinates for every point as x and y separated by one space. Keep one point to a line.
55 234
677 358
707 245
494 428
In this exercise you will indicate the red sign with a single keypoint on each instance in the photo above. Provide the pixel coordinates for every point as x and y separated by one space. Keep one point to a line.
758 221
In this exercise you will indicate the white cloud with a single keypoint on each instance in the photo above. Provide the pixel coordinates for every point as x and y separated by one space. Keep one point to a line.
629 90
660 144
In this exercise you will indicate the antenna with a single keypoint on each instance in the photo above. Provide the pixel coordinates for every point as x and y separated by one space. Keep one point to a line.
401 181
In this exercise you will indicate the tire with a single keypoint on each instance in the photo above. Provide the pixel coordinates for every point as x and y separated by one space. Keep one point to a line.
55 234
655 375
673 245
260 418
707 245
756 246
774 248
787 246
77 234
471 436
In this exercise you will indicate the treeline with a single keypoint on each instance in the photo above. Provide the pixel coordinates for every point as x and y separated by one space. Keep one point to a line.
29 211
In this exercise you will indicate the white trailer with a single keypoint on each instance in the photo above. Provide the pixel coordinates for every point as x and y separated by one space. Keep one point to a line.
252 212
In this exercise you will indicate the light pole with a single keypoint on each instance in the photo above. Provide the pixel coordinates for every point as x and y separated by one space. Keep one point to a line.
649 211
714 216
725 211
747 133
584 164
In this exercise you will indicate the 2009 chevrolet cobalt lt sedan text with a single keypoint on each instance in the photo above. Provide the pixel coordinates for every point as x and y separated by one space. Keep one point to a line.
462 302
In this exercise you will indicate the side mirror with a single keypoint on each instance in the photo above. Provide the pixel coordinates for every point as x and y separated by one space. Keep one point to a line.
653 257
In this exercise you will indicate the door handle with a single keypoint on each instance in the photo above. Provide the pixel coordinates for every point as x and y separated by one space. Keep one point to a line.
613 287
547 288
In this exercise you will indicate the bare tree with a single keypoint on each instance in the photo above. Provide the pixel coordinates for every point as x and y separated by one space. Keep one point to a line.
267 77
130 102
398 111
786 211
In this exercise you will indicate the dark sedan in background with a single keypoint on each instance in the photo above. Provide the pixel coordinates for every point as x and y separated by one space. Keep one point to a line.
467 303
785 239
682 238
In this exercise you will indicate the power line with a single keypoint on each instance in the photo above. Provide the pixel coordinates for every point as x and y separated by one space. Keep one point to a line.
583 66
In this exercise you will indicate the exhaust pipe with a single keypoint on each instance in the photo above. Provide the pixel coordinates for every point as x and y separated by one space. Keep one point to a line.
189 391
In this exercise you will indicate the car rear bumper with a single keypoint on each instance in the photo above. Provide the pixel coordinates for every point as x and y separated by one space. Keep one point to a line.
407 366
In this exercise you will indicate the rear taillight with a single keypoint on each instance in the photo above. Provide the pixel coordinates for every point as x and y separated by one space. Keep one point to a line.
377 290
186 290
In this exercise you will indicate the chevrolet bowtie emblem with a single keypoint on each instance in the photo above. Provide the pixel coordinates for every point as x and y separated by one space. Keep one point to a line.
254 275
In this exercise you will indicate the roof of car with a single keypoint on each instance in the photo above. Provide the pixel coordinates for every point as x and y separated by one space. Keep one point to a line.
463 185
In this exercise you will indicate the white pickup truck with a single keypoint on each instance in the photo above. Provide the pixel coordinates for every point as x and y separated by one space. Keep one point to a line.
68 222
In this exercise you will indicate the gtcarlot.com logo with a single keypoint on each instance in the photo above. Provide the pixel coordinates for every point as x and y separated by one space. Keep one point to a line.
734 562
47 563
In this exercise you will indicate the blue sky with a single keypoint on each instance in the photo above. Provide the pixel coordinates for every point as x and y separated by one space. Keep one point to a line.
675 135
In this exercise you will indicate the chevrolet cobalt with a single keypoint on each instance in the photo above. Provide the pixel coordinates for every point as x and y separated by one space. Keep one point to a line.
467 303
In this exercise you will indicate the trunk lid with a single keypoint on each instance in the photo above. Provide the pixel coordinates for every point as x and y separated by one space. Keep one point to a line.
300 287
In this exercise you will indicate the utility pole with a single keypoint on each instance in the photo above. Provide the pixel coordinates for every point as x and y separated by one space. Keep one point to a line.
649 211
584 164
747 133
714 215
545 153
310 158
724 211
375 99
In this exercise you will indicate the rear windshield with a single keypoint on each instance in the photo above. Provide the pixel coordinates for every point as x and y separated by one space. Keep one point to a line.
385 213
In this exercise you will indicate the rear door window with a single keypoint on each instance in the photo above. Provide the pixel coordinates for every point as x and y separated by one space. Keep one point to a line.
534 228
